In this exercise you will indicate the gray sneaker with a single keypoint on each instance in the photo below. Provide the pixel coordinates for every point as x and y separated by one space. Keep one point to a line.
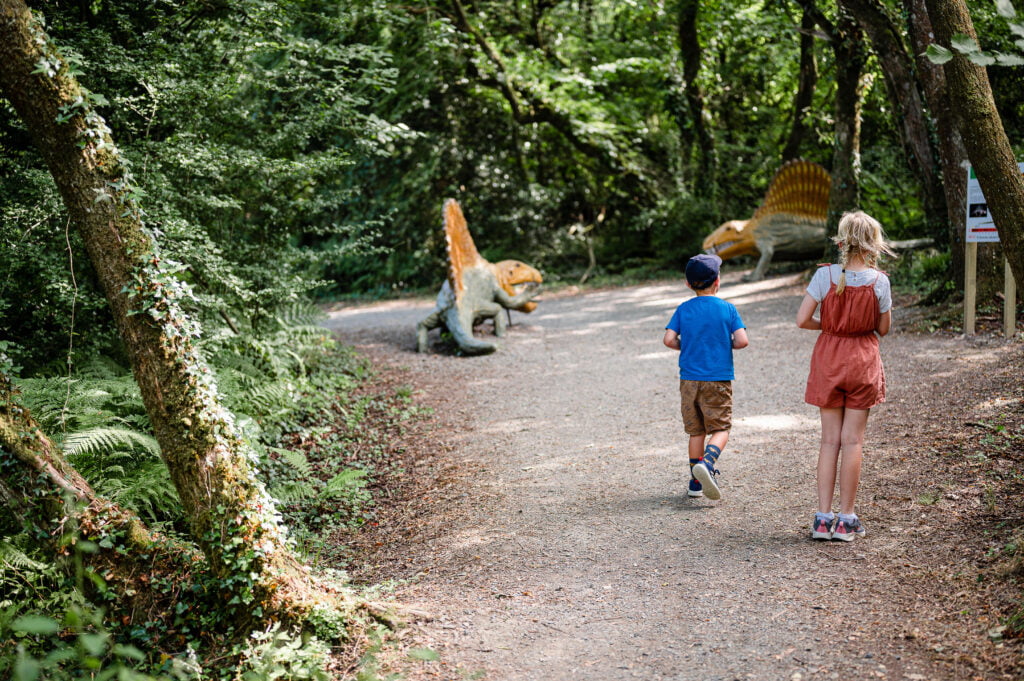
848 530
822 527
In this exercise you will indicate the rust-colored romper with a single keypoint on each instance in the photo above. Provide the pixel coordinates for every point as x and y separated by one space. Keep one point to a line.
846 366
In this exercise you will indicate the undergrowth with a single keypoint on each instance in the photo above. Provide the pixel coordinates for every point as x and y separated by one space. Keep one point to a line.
322 436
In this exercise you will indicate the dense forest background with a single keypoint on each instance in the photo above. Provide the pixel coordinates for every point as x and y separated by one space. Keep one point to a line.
290 152
290 148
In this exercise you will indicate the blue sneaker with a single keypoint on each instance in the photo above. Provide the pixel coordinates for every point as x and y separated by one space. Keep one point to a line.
823 527
848 529
705 473
695 489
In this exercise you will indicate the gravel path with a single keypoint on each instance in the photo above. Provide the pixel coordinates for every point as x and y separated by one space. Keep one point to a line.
574 553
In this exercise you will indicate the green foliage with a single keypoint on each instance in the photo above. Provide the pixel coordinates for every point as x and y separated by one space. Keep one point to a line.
50 631
968 47
275 654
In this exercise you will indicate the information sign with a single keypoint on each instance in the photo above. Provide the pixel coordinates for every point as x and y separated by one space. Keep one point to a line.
980 227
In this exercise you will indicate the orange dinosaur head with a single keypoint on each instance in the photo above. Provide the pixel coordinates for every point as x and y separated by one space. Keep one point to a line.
514 276
731 240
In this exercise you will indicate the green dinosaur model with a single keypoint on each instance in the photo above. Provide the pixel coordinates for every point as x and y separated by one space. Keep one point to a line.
790 223
476 289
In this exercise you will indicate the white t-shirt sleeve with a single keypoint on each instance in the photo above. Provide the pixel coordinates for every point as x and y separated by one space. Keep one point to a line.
820 284
883 291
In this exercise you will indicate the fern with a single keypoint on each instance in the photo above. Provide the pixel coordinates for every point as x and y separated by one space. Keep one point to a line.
97 441
14 559
297 460
347 483
294 492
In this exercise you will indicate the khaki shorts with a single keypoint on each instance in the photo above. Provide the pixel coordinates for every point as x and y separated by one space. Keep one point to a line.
706 406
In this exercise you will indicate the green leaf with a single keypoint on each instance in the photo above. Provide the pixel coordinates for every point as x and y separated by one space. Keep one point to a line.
982 59
36 624
937 54
94 644
26 669
132 652
965 44
425 654
1010 59
1005 9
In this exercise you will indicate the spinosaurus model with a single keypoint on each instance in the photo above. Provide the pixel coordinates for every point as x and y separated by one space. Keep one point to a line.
476 289
790 223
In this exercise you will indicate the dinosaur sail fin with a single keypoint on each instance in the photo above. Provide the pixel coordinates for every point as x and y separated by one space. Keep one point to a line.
462 253
800 188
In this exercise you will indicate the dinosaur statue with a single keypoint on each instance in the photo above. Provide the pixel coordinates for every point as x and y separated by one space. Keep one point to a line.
790 222
476 289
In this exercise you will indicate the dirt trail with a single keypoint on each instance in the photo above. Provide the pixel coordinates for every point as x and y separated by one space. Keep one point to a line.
574 551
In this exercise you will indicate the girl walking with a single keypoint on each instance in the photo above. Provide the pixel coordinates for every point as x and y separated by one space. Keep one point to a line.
846 377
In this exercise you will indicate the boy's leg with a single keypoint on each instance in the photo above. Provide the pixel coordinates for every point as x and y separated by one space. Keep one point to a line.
718 440
828 456
855 422
695 450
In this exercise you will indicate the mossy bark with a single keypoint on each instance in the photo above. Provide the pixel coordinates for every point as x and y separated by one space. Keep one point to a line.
969 97
232 519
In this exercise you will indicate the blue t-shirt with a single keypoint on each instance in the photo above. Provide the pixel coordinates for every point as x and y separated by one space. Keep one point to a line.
705 325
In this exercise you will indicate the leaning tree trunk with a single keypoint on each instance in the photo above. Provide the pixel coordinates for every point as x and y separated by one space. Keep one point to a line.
898 71
231 517
51 500
970 98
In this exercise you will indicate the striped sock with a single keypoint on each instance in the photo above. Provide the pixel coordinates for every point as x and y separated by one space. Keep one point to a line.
711 454
693 462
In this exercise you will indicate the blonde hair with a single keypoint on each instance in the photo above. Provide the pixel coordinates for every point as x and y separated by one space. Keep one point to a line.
859 234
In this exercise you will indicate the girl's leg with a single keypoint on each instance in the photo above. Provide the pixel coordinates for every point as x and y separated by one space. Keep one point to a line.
855 422
828 456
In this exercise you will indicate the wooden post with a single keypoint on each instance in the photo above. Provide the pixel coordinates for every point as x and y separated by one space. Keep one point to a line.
1009 302
970 285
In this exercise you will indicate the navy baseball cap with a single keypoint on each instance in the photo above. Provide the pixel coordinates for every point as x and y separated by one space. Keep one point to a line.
702 270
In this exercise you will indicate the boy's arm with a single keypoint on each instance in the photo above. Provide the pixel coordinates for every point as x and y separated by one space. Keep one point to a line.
739 339
671 339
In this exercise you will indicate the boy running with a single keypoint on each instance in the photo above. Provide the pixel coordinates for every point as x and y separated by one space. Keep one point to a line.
705 329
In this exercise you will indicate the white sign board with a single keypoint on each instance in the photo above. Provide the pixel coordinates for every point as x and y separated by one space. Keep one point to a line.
980 227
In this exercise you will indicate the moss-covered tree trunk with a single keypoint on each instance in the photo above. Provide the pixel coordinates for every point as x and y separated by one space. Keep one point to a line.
47 495
969 96
231 517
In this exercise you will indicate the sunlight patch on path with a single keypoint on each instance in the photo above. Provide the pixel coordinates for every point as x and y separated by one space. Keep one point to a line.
786 422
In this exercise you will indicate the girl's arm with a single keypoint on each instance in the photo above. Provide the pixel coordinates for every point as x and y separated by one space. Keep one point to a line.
671 339
805 315
884 323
